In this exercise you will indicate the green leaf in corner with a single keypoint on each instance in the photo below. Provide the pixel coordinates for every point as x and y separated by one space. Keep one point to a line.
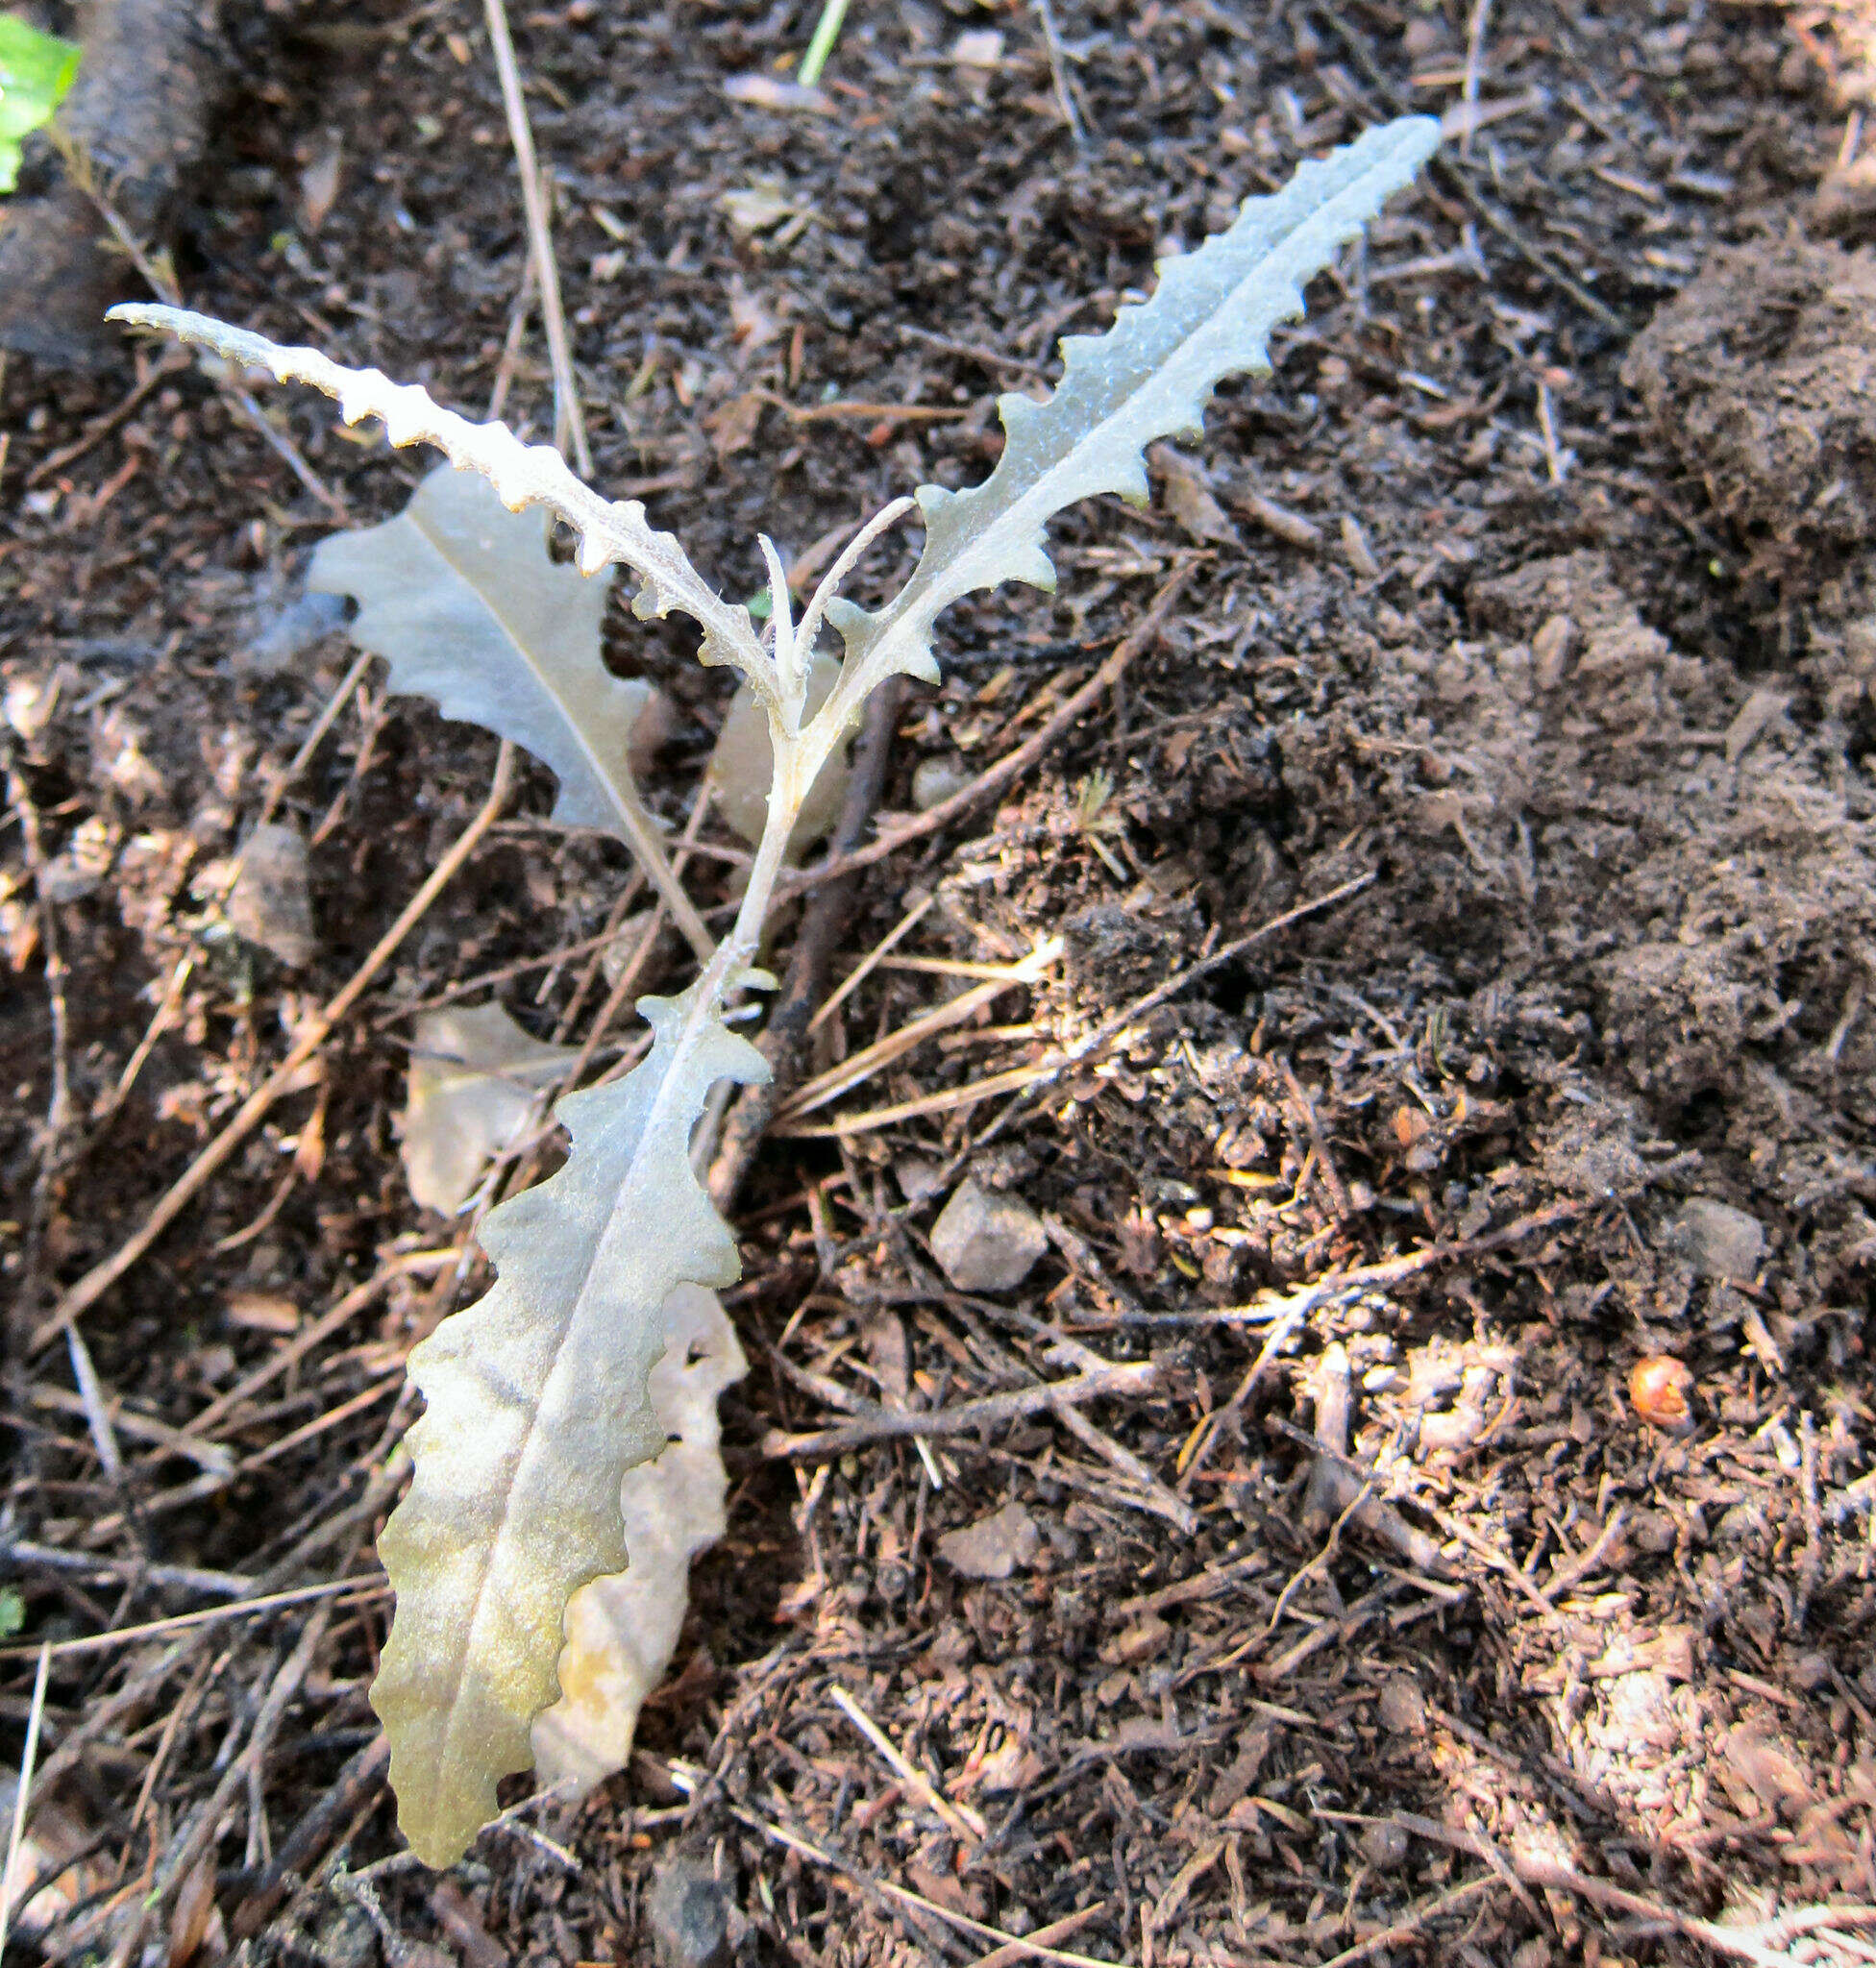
35 70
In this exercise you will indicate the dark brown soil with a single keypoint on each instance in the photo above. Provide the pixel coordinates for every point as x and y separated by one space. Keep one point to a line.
1569 645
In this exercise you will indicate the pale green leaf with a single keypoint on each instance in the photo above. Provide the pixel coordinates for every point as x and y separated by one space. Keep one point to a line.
1150 376
521 474
621 1631
35 72
536 1405
462 599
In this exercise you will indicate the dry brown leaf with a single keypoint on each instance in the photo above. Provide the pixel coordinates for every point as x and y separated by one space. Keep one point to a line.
475 1079
52 1836
733 428
272 904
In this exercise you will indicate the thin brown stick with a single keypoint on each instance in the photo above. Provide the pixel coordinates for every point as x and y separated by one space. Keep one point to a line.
861 1065
150 373
300 1851
1006 768
100 1278
180 1859
1029 1946
23 1789
1131 1378
541 239
794 1841
178 977
1146 1491
155 269
1451 179
1110 1028
322 1328
1764 1944
1475 68
59 1104
184 1622
1412 1923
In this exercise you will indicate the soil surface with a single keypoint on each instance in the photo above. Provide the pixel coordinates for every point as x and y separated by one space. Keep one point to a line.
1486 1575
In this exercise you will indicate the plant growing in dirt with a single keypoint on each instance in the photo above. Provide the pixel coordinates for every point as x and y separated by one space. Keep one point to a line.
537 1395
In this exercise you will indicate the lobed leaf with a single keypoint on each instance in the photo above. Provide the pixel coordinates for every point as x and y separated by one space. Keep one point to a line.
522 474
462 599
1150 376
536 1405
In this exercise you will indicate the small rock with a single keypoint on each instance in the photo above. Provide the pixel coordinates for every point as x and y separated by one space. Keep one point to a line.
994 1546
1812 1671
1385 1845
1847 200
689 1913
1553 650
1652 1532
1138 1643
1401 1708
1718 1241
985 1242
271 904
934 781
918 1177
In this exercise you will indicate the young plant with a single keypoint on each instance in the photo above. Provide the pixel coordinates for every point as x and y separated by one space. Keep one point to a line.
537 1395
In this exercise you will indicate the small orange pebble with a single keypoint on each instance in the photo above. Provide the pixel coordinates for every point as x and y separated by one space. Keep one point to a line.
1661 1391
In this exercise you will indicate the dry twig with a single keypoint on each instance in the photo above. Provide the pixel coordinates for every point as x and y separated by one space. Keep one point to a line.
100 1278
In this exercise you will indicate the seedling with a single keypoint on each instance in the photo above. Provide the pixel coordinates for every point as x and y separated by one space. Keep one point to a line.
537 1395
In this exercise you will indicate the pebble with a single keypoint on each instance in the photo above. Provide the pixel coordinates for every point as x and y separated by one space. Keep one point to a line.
689 1914
1401 1708
1385 1845
986 1242
271 904
1553 650
1812 1671
1718 1241
934 781
918 1176
994 1546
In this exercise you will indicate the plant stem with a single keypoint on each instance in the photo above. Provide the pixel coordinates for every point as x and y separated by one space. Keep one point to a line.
827 32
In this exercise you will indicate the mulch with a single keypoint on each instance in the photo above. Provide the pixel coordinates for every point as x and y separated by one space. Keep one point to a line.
1334 1590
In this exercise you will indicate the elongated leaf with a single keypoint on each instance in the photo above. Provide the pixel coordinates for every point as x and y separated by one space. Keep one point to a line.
1150 376
621 1631
460 596
521 474
536 1406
